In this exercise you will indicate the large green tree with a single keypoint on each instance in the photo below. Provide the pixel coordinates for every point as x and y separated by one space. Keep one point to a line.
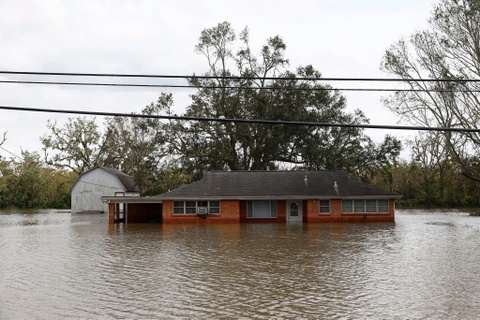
136 146
242 85
449 52
78 145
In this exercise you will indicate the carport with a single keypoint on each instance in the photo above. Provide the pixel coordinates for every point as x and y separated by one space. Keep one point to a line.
133 209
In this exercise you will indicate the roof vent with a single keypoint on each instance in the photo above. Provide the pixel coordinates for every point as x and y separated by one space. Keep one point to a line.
306 180
335 186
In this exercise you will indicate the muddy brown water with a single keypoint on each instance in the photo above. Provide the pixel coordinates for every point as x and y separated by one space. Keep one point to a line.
55 265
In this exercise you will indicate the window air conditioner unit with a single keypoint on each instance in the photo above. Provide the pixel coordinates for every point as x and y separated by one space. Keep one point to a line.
202 210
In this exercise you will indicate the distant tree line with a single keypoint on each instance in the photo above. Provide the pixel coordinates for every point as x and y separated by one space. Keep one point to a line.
29 183
444 169
431 178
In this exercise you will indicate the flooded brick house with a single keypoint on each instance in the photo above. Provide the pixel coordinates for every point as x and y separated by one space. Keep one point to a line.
274 196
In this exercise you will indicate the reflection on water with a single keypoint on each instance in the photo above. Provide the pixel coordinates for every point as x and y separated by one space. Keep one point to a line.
57 265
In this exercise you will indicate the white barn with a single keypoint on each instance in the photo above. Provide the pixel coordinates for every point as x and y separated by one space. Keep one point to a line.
100 181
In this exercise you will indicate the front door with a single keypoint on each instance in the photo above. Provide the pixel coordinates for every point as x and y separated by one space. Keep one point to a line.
294 211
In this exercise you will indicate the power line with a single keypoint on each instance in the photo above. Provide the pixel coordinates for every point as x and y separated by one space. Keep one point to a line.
249 121
160 76
13 154
110 84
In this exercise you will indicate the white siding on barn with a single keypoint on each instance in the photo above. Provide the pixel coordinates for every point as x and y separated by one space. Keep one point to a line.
91 186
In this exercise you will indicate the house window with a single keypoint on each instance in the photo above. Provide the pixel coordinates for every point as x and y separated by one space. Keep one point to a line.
383 205
214 207
365 206
178 207
359 206
371 205
324 206
192 207
347 206
261 209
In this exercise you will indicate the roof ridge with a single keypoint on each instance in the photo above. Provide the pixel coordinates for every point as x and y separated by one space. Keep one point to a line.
113 170
272 171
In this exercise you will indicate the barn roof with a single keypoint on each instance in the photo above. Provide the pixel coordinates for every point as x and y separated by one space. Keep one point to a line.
127 181
276 185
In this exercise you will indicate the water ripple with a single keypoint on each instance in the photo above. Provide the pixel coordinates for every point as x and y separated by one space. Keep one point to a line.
58 266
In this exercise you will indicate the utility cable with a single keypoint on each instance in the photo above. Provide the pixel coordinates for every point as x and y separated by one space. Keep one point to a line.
124 75
249 121
13 154
110 84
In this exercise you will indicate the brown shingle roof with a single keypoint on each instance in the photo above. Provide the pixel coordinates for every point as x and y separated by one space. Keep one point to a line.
276 185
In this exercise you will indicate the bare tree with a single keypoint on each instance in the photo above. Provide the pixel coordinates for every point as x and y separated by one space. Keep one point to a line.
449 51
4 138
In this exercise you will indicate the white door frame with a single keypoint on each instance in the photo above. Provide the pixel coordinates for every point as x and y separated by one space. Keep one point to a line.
297 218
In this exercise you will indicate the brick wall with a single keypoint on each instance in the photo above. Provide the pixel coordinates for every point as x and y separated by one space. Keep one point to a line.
111 213
235 211
115 215
229 213
313 216
282 210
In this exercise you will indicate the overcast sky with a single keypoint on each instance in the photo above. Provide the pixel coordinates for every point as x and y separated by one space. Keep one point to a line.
341 38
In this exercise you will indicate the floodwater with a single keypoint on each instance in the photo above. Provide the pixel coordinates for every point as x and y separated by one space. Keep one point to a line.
56 265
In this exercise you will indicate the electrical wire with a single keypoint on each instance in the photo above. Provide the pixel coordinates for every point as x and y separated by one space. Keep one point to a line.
11 153
249 121
255 121
160 76
228 87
